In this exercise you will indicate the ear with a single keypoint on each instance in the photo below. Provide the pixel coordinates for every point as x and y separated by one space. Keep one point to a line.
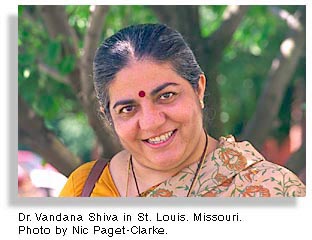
102 110
201 86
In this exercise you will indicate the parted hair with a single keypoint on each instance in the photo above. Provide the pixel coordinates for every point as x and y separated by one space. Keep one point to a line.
155 42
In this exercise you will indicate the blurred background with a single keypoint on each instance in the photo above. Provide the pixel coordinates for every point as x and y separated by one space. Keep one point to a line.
253 57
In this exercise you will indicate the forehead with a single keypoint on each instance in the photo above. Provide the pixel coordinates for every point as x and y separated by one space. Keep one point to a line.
143 75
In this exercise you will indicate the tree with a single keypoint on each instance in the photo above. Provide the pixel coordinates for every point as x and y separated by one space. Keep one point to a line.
280 74
227 41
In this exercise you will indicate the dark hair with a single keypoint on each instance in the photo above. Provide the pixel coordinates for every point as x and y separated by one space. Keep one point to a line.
156 42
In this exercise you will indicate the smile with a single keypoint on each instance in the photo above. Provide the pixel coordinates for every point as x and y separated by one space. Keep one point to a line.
160 139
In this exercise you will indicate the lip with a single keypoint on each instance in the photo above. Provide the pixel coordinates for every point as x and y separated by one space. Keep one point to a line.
162 144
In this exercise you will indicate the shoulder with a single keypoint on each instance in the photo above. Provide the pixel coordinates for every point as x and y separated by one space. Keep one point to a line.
83 170
76 180
232 157
273 180
251 175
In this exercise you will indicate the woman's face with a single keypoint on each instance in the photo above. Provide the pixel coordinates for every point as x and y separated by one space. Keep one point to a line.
156 114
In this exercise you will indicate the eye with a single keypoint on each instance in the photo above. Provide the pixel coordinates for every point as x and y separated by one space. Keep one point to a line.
166 95
127 109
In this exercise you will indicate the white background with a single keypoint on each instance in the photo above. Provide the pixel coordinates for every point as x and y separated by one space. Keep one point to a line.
261 218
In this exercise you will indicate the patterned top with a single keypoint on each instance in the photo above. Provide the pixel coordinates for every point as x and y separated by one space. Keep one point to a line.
233 169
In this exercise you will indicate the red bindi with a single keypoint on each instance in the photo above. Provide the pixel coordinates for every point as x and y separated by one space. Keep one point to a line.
141 94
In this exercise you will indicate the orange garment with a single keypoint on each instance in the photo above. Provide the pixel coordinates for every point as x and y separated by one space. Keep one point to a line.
104 187
233 169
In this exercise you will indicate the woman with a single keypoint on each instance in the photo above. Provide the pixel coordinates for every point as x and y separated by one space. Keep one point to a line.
151 90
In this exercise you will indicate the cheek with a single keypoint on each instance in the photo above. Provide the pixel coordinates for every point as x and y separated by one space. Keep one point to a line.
125 130
186 113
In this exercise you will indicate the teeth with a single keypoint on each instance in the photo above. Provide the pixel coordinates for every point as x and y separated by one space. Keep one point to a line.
161 138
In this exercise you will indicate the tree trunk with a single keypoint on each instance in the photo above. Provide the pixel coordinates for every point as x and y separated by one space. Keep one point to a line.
282 70
33 133
297 162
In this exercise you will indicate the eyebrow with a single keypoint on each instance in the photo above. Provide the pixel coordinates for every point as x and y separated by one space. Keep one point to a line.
161 87
153 93
123 102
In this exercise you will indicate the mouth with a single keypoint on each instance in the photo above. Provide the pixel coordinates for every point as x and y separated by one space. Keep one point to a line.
161 139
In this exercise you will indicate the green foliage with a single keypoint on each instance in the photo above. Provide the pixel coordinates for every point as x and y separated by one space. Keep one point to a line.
245 67
210 18
74 131
53 52
78 17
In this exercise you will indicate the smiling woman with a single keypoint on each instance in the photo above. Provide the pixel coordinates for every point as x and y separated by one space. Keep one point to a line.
151 90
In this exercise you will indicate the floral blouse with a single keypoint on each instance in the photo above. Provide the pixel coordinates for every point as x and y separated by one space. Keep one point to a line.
234 169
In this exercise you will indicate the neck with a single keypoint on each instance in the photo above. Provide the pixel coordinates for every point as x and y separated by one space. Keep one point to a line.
147 177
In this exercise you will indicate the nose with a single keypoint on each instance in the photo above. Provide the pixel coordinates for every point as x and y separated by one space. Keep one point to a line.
151 117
